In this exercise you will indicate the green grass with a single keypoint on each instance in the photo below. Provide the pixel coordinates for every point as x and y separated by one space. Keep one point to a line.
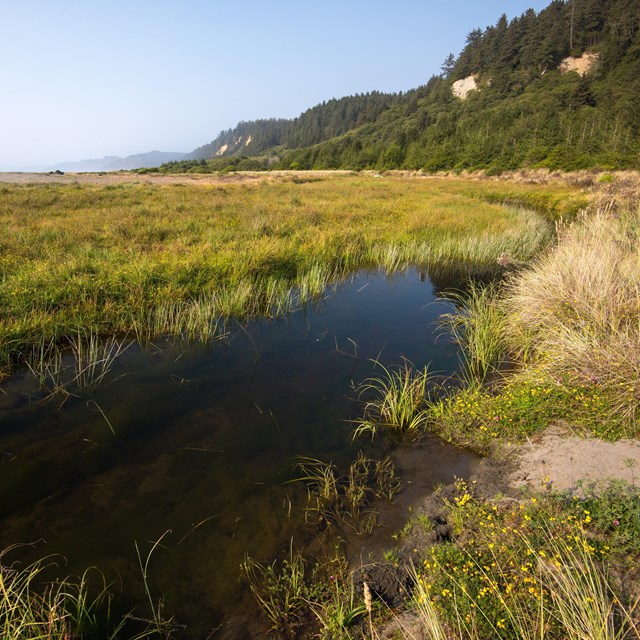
345 500
396 400
521 404
174 259
478 328
33 607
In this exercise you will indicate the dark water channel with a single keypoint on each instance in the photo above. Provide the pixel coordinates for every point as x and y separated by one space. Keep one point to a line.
200 444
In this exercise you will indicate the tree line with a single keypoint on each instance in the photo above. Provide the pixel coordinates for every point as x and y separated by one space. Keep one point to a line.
524 113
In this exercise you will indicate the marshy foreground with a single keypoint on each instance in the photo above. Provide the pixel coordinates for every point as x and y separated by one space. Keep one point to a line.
214 394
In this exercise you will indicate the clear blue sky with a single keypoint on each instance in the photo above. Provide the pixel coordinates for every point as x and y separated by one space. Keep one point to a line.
86 78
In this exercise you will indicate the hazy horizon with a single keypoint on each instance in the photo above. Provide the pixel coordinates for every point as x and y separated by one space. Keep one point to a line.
88 79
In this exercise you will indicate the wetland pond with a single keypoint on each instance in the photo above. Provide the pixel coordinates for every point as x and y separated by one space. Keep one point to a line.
199 444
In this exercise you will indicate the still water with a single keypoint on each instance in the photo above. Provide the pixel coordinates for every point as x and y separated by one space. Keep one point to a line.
199 443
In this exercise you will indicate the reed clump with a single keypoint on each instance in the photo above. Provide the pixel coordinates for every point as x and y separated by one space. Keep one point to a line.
478 328
396 400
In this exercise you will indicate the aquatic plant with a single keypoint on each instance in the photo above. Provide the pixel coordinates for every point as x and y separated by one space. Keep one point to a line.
339 610
80 363
346 500
395 400
279 589
33 607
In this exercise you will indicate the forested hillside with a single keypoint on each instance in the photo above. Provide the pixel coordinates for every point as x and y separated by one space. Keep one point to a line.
528 108
320 123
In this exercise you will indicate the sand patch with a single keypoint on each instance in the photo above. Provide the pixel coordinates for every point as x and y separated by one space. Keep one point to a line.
564 461
462 88
221 150
581 65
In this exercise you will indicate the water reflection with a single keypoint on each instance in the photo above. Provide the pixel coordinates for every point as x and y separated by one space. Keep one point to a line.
200 442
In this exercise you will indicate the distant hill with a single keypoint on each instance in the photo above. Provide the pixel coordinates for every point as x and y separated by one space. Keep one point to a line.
115 163
322 122
556 89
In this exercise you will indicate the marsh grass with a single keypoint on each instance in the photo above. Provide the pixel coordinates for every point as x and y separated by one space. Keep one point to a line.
148 260
395 400
75 366
35 608
478 327
280 589
305 598
346 500
339 610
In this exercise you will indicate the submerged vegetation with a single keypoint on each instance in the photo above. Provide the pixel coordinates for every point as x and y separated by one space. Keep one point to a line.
347 500
143 260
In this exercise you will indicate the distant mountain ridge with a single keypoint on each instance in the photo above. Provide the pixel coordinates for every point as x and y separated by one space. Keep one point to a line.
115 163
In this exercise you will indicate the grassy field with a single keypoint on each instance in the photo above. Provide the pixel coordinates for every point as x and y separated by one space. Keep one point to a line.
144 259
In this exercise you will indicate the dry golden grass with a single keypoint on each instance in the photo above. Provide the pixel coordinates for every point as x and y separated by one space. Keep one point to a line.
576 313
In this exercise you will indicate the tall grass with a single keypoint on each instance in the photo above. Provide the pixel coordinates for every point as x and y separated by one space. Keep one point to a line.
576 312
34 608
478 327
396 400
146 260
568 330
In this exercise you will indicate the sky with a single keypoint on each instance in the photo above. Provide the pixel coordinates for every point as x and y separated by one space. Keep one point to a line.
86 79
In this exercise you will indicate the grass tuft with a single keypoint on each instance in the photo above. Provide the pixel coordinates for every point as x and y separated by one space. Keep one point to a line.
396 400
